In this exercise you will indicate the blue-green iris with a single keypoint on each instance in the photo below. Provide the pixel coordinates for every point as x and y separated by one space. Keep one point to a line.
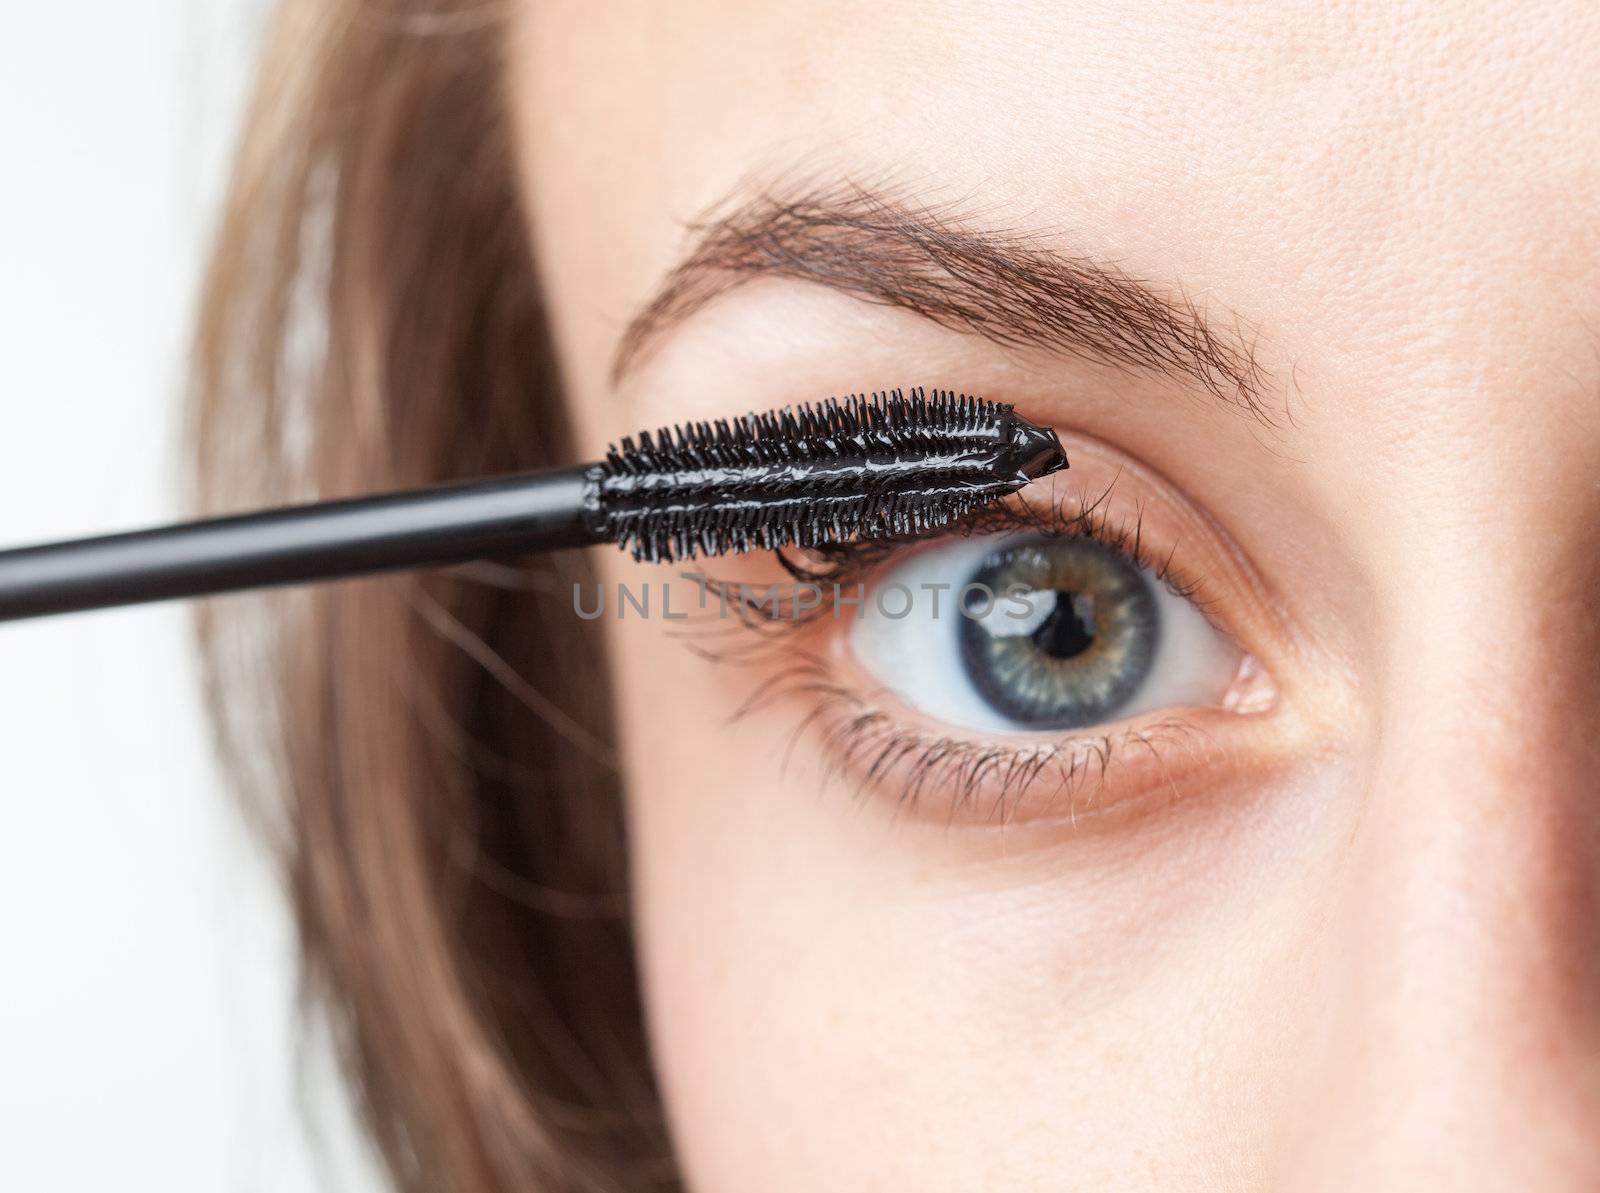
1073 641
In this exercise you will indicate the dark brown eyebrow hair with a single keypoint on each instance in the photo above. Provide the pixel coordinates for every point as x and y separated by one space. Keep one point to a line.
1009 287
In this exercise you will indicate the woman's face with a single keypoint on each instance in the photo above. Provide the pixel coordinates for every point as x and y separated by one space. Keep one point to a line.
1270 858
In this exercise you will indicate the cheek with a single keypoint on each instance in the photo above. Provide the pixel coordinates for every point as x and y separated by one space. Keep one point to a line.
841 999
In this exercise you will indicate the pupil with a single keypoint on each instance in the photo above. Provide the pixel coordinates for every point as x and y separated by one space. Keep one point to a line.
1069 630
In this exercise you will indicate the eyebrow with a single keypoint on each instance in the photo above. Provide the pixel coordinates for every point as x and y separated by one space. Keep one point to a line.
1009 287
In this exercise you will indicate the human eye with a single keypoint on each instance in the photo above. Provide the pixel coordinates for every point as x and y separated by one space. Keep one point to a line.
1038 630
1097 641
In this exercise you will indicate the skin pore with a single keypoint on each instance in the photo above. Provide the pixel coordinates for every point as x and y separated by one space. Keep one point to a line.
1348 941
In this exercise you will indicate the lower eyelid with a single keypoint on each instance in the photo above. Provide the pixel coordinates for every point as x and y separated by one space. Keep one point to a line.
867 743
1085 780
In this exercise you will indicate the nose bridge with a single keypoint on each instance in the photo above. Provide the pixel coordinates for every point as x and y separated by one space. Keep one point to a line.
1466 929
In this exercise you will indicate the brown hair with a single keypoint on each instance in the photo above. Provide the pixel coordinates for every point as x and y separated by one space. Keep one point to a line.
431 754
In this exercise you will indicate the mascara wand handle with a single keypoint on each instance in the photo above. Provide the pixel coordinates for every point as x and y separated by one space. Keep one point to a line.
431 527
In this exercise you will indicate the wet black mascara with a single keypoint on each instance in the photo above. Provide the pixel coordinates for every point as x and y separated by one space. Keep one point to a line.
879 466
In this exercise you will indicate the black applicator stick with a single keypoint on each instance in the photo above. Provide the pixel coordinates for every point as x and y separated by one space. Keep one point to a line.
803 476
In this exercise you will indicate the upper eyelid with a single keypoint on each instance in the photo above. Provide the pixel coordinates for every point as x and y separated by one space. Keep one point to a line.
848 564
1114 498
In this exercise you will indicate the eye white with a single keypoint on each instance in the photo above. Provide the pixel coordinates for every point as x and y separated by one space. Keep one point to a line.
917 656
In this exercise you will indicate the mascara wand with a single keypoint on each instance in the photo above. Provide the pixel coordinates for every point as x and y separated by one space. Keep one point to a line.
804 476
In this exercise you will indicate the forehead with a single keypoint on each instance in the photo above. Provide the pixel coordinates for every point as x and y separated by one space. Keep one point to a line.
1371 181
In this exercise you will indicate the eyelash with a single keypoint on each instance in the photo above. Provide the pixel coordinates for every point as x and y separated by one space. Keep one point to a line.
869 743
862 740
844 565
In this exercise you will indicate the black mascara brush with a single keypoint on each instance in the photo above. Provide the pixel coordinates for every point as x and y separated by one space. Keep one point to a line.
803 476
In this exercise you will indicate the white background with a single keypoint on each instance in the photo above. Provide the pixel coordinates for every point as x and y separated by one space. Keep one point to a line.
146 966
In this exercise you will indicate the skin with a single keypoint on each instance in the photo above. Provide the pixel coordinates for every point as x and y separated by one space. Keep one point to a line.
1355 941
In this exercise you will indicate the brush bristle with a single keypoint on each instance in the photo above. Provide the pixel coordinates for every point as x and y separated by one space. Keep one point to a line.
683 534
922 422
881 465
